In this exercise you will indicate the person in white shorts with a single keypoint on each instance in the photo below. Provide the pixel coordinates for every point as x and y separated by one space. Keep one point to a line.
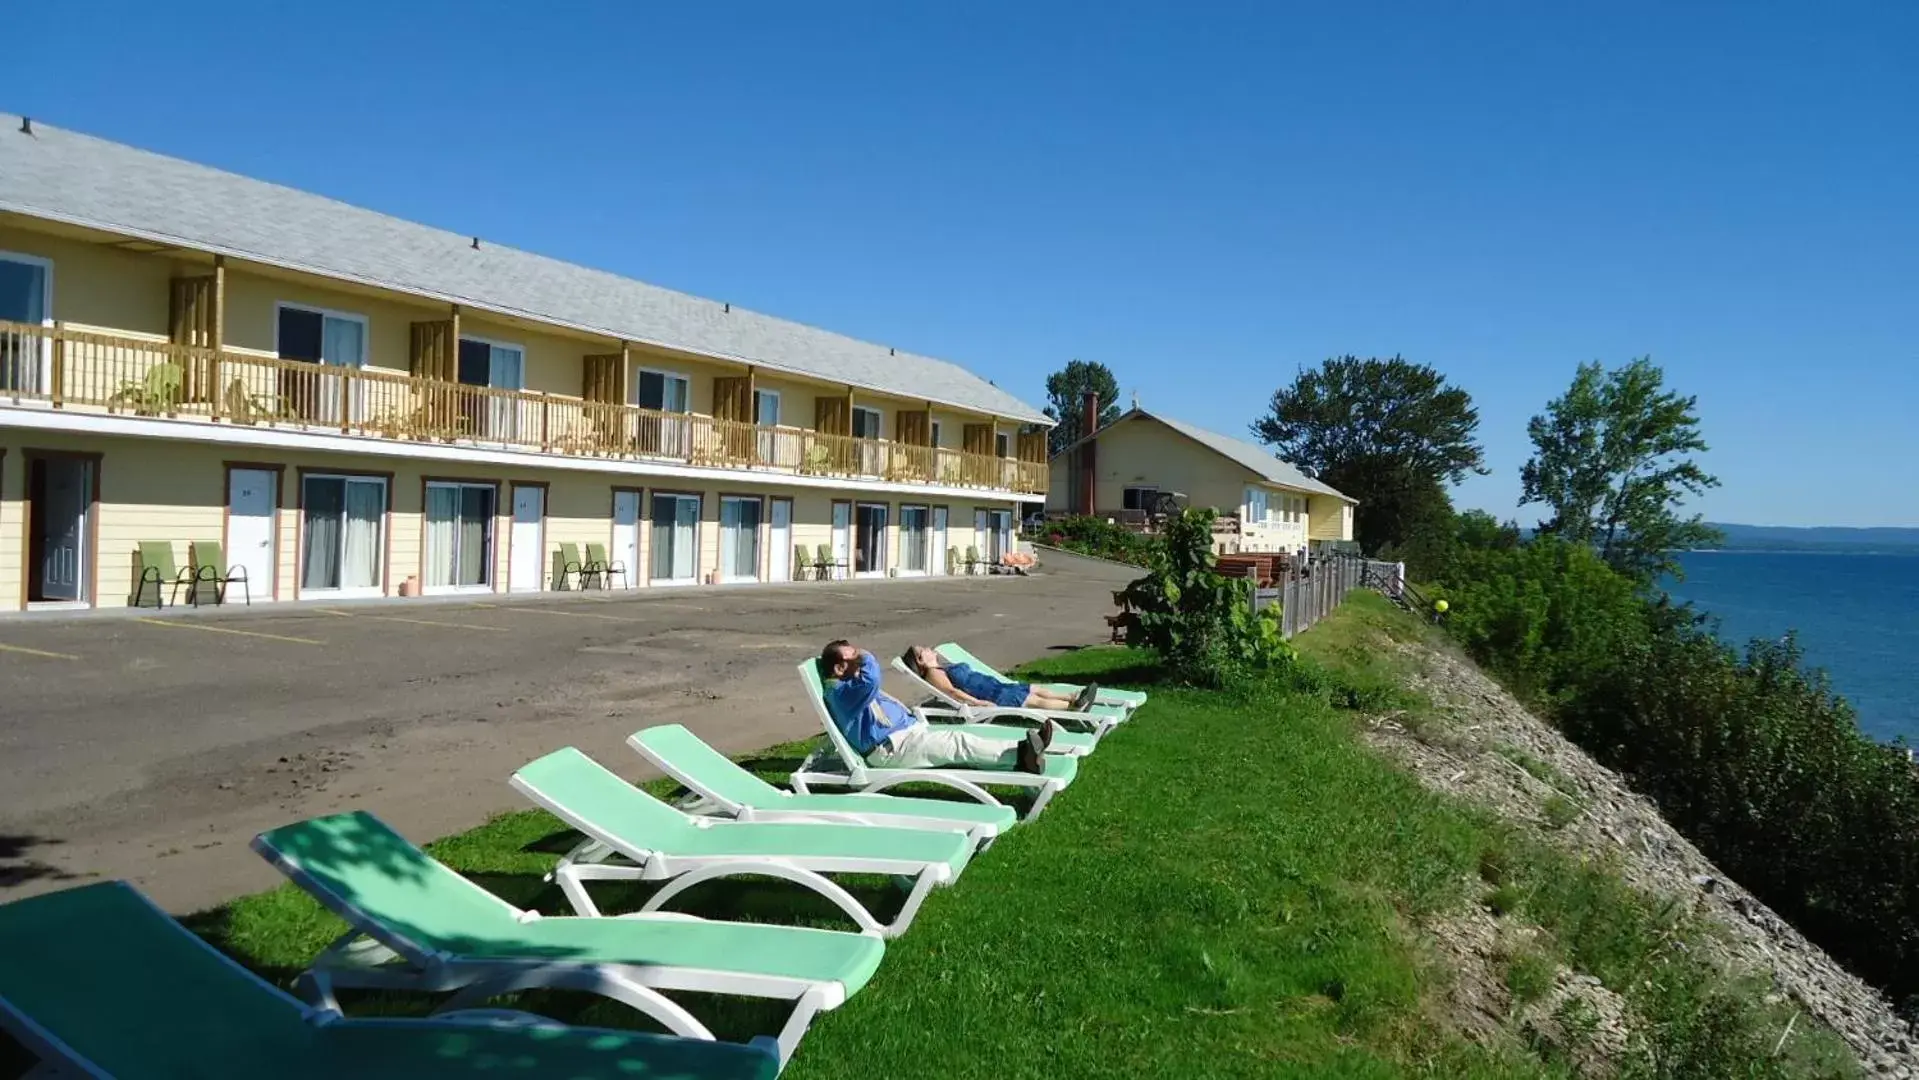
887 734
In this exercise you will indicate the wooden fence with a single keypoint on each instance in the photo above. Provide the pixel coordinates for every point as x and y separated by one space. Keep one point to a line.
1309 593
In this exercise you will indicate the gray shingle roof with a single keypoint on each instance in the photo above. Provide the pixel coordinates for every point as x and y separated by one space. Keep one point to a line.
1243 453
82 180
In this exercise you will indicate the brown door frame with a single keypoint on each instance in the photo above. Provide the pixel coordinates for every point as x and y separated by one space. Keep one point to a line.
226 513
91 552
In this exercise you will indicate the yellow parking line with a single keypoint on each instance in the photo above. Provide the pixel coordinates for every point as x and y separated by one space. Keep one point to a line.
553 611
229 630
38 652
415 622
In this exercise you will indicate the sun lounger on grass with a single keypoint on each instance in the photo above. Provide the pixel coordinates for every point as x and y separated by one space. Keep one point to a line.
1129 699
632 836
725 788
96 981
417 925
836 764
1080 731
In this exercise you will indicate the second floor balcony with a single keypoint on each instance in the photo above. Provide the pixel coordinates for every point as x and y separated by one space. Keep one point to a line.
61 368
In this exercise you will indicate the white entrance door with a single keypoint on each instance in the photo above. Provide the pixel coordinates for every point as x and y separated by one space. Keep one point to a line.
779 561
529 538
626 533
842 538
252 496
938 565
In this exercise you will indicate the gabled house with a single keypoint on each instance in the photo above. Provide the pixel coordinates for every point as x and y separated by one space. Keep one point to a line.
346 403
1120 472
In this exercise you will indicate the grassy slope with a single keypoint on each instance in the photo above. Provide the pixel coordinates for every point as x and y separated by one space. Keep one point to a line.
1228 890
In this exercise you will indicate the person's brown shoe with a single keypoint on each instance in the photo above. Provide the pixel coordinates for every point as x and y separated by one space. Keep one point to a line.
1046 732
1032 754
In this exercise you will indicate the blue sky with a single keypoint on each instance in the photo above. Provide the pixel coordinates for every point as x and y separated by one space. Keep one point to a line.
1203 196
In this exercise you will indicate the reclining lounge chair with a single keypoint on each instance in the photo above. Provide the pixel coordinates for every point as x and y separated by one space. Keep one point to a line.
836 764
632 836
416 925
1128 699
99 982
725 788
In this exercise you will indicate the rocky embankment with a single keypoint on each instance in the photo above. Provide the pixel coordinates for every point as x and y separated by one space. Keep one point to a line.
1480 744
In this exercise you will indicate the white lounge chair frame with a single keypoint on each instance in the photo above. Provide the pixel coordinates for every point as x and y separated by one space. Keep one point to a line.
857 774
709 801
374 956
603 856
1095 724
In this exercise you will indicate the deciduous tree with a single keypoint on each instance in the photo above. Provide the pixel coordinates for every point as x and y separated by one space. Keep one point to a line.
1066 388
1611 458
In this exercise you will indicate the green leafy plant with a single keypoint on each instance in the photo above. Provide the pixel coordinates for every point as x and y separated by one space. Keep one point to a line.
1097 537
1201 624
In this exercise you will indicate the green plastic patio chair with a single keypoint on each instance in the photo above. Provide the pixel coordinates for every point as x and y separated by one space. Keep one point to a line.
416 925
99 982
723 787
158 569
1129 699
605 567
823 562
632 836
852 771
209 558
571 563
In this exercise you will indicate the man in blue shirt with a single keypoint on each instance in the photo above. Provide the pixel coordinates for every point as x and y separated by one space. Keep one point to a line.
887 734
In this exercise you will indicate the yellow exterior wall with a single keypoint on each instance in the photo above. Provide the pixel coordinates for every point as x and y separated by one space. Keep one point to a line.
101 288
553 363
1143 452
1332 519
252 316
12 528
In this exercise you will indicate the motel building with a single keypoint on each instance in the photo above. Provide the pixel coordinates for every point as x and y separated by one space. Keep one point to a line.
350 405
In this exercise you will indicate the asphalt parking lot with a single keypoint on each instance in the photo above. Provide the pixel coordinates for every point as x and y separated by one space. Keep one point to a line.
152 747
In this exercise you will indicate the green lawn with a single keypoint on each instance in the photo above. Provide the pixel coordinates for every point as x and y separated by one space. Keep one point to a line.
1233 887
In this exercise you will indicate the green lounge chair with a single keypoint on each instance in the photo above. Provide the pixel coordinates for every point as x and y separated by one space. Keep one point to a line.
725 788
413 924
158 569
632 836
1083 729
1129 699
836 764
210 564
98 982
607 568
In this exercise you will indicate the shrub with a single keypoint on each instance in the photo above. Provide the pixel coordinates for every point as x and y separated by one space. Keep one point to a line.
1200 624
1095 536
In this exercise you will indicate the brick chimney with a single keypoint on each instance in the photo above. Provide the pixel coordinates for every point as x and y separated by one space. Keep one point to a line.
1088 424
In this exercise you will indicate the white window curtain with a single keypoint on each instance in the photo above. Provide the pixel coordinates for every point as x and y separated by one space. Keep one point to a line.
740 539
505 370
342 342
360 557
442 509
675 537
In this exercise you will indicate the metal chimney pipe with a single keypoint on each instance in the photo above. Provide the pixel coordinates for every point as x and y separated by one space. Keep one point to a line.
1088 424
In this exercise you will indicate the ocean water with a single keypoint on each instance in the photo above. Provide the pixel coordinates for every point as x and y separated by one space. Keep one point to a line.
1857 616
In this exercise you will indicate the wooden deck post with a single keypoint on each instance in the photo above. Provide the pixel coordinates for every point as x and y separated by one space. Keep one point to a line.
217 333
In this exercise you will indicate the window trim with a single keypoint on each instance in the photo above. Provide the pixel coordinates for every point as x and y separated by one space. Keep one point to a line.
493 549
933 431
779 407
759 539
366 328
699 523
1004 438
879 422
668 373
1154 488
302 475
497 343
926 534
886 540
44 374
46 279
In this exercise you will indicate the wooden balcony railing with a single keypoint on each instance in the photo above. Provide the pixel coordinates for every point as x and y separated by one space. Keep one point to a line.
68 368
